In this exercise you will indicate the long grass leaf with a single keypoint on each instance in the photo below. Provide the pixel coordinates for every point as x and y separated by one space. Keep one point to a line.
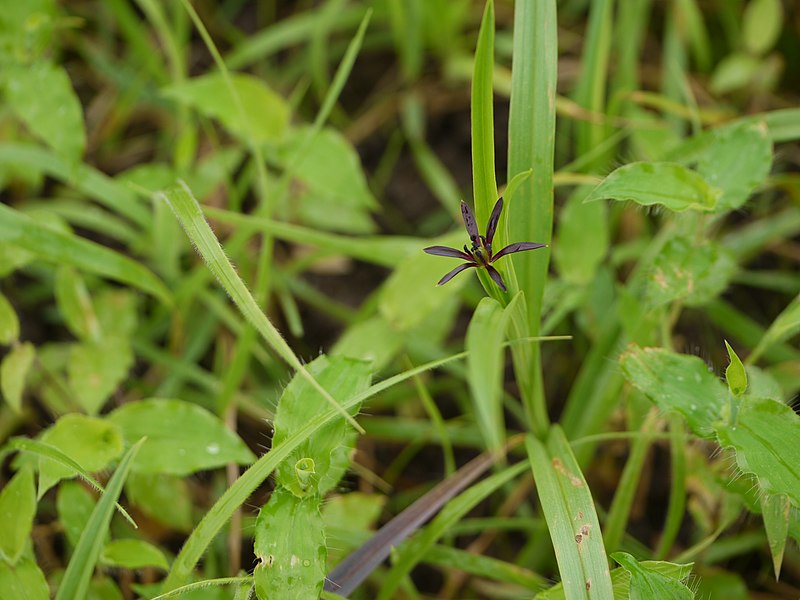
67 249
190 215
75 583
571 518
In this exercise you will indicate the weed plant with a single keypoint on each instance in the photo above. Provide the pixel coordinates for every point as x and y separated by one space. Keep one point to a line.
227 370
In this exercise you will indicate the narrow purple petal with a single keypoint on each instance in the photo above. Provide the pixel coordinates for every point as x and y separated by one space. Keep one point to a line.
495 274
469 221
493 220
517 247
449 252
455 272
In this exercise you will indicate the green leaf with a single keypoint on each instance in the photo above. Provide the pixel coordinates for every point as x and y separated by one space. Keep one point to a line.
75 505
485 363
358 341
735 374
346 514
484 180
17 510
775 510
9 322
82 564
734 72
786 325
320 461
736 160
90 442
63 248
410 294
266 114
117 312
569 510
668 184
133 554
165 498
41 95
761 25
647 584
26 28
765 440
290 546
693 274
191 217
14 372
677 382
580 245
23 580
95 371
75 304
334 194
182 438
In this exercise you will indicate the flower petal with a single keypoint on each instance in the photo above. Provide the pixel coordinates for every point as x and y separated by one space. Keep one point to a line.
495 274
455 272
517 247
469 221
449 252
493 220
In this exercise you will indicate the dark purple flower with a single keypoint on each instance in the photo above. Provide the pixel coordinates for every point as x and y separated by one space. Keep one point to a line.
480 254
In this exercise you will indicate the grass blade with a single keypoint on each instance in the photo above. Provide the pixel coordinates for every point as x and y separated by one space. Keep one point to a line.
75 583
66 249
571 518
190 215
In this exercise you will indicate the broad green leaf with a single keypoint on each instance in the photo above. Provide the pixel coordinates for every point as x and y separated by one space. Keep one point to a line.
581 238
677 382
735 374
320 461
182 438
41 95
14 372
761 25
23 580
90 442
26 28
647 584
332 186
75 304
17 510
96 369
75 505
133 554
775 510
734 72
786 325
693 274
765 440
117 312
165 498
485 363
82 563
668 184
63 248
266 114
411 294
359 341
569 510
737 160
9 322
717 583
290 547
